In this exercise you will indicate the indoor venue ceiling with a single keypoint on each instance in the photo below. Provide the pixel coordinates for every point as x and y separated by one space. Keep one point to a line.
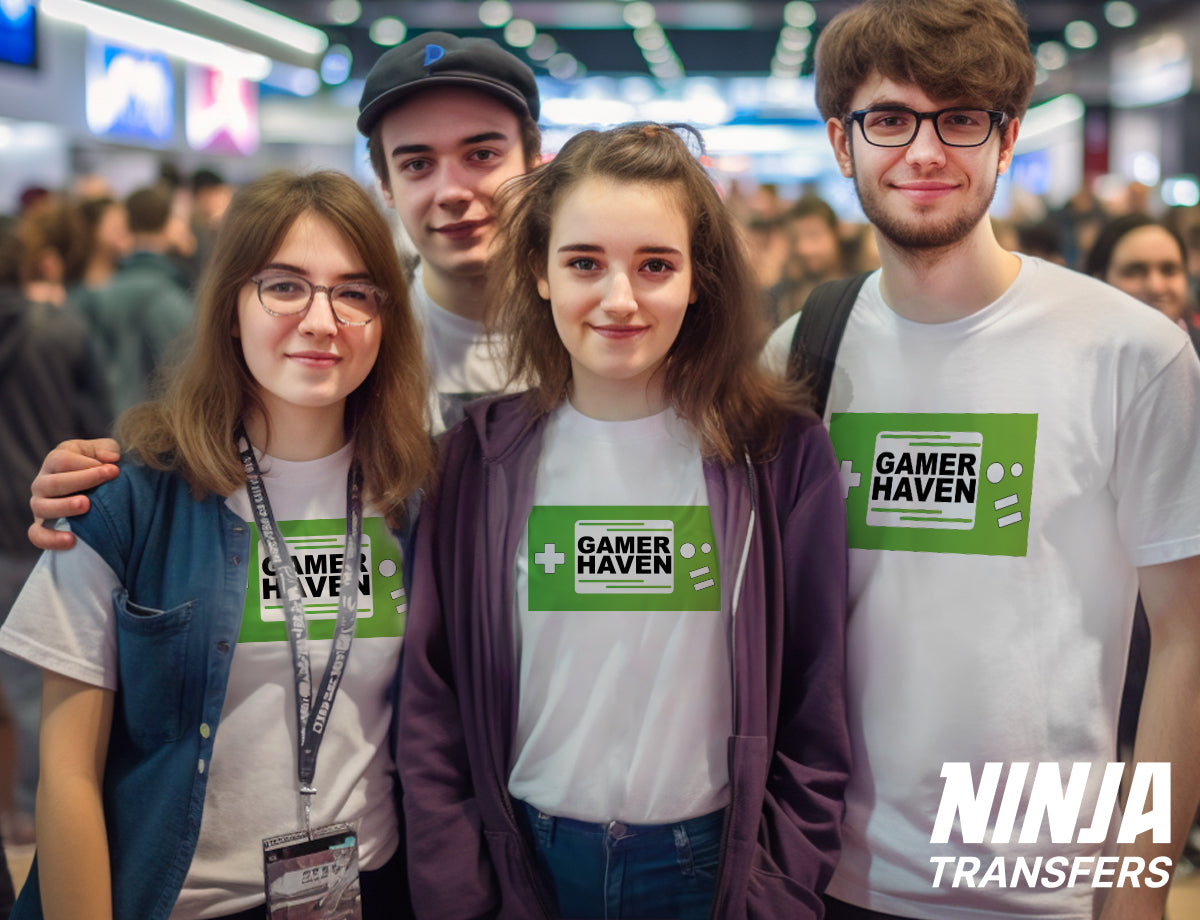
718 37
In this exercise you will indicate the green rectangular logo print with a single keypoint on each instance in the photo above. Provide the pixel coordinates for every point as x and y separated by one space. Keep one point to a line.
317 548
628 557
937 482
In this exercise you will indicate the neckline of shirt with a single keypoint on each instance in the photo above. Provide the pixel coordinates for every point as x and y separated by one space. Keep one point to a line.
664 424
981 318
429 310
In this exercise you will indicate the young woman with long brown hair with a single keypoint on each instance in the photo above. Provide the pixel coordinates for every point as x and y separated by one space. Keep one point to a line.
195 642
622 692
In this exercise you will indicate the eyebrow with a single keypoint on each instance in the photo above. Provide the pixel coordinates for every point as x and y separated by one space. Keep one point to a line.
592 247
299 270
486 136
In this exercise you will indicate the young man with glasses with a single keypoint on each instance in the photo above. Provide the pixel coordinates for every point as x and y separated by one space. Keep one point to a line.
1017 444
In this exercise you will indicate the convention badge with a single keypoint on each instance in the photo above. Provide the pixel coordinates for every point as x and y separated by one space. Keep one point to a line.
313 876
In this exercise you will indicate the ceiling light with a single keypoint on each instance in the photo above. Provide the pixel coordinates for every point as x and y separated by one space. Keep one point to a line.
789 57
495 13
335 66
344 12
543 47
639 13
1080 34
799 14
658 55
791 37
1052 55
520 33
388 31
153 36
1120 14
650 38
563 66
263 21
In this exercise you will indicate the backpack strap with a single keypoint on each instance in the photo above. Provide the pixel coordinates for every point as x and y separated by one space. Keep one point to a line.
819 333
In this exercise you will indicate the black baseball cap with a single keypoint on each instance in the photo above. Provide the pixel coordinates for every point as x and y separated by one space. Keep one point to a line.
441 59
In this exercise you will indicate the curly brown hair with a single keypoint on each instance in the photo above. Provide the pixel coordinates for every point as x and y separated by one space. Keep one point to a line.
190 428
713 377
969 51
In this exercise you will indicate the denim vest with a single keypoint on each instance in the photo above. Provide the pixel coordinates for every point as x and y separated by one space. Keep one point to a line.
182 565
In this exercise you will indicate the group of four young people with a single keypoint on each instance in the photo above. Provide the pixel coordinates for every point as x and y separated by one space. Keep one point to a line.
622 691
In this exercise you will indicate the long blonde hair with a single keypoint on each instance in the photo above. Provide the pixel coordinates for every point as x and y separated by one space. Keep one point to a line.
190 428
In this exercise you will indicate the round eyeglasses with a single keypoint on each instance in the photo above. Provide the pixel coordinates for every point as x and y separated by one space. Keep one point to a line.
355 303
897 125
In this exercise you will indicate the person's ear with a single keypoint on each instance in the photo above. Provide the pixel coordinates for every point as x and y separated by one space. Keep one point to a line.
543 287
839 139
1008 140
385 190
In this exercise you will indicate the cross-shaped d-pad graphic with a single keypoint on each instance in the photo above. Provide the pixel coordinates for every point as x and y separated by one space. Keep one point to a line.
549 559
850 479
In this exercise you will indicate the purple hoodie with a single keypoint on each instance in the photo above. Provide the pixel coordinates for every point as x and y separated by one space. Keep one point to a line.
780 524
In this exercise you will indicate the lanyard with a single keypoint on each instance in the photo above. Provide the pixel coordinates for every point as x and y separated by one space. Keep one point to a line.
310 721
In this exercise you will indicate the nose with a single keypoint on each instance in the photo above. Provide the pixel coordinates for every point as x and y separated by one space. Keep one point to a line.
926 147
319 320
453 189
618 297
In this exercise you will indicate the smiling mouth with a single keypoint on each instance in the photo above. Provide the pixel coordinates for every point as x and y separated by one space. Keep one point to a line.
619 332
317 359
464 229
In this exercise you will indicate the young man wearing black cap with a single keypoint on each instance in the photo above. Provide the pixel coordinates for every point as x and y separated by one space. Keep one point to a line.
449 120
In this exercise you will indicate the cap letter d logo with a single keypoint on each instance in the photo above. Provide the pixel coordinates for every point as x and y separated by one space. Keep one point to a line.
433 53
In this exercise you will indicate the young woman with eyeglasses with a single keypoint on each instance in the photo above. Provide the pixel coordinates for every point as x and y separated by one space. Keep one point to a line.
220 647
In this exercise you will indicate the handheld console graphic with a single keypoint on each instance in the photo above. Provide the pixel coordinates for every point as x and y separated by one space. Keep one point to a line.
317 548
942 483
641 558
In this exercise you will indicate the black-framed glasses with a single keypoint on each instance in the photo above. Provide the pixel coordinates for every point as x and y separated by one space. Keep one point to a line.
355 303
897 125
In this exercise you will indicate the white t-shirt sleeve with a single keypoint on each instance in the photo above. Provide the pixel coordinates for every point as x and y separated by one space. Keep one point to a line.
63 620
1156 472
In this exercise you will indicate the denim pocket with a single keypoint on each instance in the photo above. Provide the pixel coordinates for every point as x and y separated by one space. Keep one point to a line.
698 852
152 664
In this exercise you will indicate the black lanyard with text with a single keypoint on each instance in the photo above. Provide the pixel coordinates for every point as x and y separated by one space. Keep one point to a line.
310 721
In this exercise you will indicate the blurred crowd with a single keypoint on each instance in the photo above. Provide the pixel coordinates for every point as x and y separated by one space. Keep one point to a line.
1152 253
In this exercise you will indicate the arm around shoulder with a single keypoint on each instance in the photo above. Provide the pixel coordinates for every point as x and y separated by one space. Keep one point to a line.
72 468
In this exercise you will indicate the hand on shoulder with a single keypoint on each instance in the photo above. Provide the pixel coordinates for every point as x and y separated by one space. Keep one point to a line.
73 467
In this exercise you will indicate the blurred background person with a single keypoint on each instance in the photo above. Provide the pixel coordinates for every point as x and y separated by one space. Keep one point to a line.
816 254
144 306
211 195
53 252
51 389
108 239
1147 259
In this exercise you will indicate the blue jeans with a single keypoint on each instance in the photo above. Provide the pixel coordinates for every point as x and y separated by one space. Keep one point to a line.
615 870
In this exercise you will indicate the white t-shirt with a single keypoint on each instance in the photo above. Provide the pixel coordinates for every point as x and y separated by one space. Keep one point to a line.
465 362
63 621
625 700
1004 474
